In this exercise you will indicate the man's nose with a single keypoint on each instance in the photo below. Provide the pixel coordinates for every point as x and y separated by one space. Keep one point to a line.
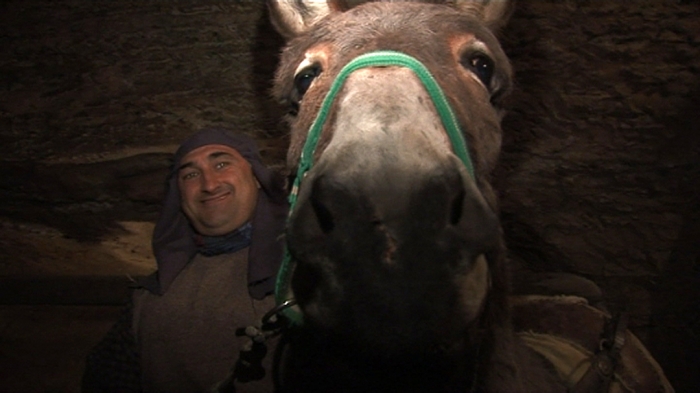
210 181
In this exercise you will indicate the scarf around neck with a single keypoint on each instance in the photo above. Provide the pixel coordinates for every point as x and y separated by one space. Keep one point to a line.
231 242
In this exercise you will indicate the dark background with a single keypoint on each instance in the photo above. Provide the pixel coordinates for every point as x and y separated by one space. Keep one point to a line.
599 175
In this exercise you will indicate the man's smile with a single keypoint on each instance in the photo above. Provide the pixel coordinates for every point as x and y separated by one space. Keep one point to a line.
216 198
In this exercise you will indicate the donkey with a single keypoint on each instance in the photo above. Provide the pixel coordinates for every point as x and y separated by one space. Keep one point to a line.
397 267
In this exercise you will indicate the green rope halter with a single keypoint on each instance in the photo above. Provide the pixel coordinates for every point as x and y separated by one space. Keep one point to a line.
373 59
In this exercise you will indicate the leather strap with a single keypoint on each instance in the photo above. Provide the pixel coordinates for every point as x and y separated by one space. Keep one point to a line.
602 370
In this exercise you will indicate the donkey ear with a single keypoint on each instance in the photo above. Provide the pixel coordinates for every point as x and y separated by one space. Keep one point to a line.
493 13
293 17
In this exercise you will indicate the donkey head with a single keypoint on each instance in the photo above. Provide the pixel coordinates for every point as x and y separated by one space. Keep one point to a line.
394 232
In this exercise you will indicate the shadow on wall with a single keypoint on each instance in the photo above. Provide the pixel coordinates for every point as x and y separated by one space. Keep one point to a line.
265 50
84 201
600 171
675 324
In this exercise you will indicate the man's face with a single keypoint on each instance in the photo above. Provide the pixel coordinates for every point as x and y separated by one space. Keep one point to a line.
218 189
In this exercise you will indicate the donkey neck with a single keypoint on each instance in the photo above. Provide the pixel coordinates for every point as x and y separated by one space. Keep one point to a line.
314 362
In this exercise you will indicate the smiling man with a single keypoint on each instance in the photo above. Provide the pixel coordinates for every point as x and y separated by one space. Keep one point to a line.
217 245
218 188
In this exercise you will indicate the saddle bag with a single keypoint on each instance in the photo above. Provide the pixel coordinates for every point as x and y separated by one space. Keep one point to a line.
590 350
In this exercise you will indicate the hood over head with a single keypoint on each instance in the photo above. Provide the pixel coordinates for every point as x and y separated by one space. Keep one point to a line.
174 239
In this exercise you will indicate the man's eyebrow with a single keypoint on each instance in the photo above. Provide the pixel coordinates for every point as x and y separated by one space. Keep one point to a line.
185 166
218 154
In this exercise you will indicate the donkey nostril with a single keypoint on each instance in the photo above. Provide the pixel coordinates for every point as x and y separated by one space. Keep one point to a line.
324 216
456 208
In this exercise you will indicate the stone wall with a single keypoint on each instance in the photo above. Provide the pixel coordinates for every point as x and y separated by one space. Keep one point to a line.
85 80
600 172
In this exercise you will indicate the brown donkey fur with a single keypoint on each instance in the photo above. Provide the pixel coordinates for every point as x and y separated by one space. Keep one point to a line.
400 271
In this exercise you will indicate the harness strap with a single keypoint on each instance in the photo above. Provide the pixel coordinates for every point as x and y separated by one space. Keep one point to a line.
249 365
602 369
283 291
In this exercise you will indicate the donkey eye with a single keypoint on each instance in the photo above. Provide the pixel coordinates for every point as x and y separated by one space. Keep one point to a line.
302 81
481 65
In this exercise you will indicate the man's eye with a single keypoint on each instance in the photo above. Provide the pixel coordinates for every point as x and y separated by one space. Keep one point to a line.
222 164
189 175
